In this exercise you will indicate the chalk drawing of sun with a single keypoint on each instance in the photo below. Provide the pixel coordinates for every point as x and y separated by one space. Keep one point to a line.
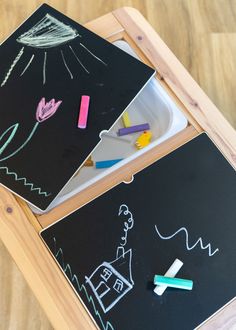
49 32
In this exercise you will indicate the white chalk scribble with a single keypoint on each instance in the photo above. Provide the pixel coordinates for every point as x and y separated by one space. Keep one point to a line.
188 247
47 33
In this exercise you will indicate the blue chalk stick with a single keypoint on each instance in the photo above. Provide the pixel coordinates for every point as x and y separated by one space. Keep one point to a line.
179 283
107 163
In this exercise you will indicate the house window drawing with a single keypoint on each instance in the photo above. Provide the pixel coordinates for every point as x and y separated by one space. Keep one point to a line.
111 281
118 286
106 274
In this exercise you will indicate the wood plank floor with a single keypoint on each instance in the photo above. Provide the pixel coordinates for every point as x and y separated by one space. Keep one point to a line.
202 34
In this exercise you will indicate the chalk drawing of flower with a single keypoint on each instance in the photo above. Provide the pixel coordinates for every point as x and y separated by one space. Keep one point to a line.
44 111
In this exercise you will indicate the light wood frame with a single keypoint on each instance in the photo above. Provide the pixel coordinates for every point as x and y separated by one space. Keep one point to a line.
19 227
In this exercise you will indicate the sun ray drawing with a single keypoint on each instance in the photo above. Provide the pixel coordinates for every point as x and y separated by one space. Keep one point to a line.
91 53
49 32
44 67
27 65
77 58
66 65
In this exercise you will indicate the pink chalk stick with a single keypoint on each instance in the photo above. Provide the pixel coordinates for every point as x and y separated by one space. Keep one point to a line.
83 112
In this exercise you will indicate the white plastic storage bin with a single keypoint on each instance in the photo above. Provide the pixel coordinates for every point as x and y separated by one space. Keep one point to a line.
154 106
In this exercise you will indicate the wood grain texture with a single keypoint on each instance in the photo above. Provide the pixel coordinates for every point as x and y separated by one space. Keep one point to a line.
40 270
180 81
19 308
201 33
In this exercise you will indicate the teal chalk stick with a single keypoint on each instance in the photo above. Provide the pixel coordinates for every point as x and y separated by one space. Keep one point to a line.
107 163
174 282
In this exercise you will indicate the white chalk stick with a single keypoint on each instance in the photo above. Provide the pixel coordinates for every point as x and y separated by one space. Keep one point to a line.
171 272
114 135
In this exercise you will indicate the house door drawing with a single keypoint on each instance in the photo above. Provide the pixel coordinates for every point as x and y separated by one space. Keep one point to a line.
102 289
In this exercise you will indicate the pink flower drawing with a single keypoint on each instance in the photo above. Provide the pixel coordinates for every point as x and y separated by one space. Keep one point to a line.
46 109
43 112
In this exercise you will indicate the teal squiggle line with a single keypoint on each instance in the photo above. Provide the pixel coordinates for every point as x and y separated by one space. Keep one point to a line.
23 145
74 279
39 190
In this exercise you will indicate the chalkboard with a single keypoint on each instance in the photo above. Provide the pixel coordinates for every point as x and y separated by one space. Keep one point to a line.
46 65
182 206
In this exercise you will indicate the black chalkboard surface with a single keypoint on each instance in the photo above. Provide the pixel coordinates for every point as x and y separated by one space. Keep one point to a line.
182 207
46 65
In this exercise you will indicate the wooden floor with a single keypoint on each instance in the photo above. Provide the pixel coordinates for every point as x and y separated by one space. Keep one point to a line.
202 34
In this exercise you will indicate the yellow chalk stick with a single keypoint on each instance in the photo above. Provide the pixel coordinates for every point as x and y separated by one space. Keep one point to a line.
126 120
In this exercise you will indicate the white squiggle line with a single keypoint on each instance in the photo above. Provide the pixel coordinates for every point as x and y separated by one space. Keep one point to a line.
27 66
81 288
208 246
89 51
12 66
78 59
44 68
63 57
39 190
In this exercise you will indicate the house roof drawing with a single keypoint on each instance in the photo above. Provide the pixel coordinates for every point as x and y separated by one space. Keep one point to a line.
122 264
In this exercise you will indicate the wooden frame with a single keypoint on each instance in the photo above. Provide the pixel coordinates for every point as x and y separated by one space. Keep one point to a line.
19 227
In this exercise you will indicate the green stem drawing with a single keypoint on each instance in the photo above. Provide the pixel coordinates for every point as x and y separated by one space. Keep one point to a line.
44 111
15 127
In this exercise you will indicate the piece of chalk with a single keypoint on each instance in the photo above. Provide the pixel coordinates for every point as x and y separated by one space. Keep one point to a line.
143 140
113 135
171 272
83 112
107 163
173 282
126 119
88 162
133 129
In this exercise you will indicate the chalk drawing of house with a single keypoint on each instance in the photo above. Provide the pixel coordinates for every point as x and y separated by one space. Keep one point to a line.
112 280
